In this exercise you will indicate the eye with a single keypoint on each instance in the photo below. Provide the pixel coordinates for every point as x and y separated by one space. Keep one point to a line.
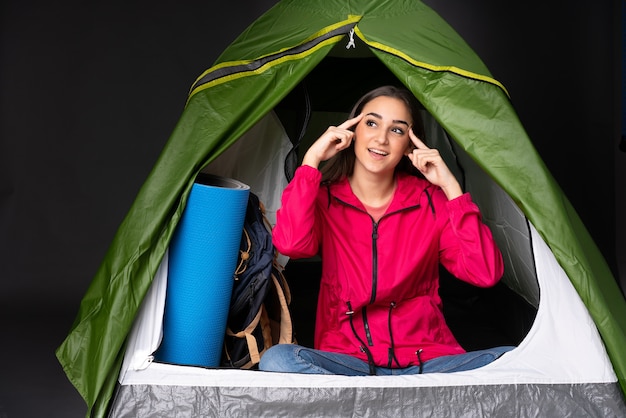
370 122
398 130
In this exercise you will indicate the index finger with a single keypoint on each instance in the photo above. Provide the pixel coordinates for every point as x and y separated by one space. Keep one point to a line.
418 142
351 122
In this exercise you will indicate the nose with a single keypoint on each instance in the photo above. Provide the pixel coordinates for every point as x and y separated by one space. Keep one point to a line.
382 138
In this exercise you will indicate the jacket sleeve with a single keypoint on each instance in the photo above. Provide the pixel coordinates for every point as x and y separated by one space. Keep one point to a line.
467 248
297 233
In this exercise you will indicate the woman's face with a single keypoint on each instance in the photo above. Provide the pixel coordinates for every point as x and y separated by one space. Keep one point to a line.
382 136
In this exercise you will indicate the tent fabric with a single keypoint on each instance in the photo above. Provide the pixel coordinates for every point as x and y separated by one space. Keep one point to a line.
250 78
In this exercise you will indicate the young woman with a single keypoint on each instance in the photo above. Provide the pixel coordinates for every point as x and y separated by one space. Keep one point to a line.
383 212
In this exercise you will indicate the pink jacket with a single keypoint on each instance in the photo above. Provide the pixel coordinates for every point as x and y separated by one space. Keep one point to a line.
379 297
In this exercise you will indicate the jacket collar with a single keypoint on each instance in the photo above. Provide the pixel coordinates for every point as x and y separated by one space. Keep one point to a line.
408 193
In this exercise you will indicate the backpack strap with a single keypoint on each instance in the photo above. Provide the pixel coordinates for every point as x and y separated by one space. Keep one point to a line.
284 296
253 348
243 256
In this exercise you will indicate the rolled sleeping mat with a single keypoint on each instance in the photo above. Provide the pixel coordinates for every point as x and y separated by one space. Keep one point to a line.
202 260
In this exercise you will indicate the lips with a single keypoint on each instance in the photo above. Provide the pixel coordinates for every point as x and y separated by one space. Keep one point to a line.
378 152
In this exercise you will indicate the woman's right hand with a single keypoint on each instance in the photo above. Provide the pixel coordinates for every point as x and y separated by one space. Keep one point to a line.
334 140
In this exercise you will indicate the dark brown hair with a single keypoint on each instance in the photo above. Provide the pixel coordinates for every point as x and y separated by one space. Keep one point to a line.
342 164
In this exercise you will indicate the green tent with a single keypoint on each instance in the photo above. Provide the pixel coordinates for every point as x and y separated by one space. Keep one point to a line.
349 47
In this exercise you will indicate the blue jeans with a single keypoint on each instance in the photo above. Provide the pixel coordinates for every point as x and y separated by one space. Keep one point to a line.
292 358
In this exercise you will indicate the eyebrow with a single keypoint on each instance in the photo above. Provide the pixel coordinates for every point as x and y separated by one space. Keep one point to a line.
376 115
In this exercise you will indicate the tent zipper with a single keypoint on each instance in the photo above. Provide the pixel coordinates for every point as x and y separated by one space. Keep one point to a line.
224 71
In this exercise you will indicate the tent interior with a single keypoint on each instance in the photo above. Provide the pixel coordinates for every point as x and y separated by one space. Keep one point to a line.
480 318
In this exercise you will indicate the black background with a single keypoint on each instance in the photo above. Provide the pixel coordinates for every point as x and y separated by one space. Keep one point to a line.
91 91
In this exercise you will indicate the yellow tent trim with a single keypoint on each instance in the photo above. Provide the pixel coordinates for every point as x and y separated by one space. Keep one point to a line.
427 66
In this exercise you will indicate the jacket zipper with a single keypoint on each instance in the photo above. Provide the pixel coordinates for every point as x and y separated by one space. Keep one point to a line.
374 256
374 260
375 249
366 326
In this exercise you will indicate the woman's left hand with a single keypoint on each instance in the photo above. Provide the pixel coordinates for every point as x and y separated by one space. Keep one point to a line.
429 162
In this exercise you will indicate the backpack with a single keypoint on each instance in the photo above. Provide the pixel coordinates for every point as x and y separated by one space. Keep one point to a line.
259 314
